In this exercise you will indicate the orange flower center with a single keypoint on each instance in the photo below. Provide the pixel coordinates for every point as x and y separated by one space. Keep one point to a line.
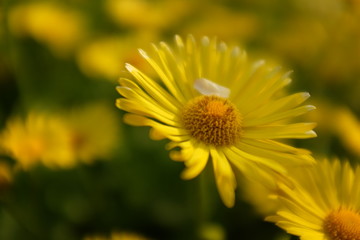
213 120
342 225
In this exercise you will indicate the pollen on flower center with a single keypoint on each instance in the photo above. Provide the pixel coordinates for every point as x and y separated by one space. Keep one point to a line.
217 108
212 120
343 225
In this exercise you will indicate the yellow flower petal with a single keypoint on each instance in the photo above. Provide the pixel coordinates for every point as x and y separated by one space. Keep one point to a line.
297 130
224 176
196 163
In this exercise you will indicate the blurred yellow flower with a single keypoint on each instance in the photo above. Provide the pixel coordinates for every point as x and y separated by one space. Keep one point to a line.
260 194
213 101
347 126
38 138
324 115
324 204
146 14
118 236
52 24
216 20
105 57
81 135
338 121
94 132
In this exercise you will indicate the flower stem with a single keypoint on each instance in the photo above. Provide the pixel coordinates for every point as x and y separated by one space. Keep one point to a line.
204 210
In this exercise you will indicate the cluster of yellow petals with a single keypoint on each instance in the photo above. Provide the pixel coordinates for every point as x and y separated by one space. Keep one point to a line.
61 140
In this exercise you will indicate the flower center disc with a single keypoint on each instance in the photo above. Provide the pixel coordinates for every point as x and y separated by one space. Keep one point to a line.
213 120
343 225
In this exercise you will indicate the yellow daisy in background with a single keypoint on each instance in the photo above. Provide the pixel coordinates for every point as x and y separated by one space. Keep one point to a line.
340 121
37 138
102 57
348 129
324 203
62 140
145 15
261 196
37 19
88 139
215 19
213 103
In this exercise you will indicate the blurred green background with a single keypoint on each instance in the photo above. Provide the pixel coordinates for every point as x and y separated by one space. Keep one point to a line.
59 64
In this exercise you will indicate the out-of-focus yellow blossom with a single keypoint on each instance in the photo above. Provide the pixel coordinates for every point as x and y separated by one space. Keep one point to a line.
38 138
339 121
118 236
101 58
54 25
261 191
347 127
147 14
323 115
260 196
105 57
216 20
94 132
81 135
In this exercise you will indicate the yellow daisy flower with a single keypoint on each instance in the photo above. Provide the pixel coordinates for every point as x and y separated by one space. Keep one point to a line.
213 103
323 204
102 57
37 19
145 15
37 138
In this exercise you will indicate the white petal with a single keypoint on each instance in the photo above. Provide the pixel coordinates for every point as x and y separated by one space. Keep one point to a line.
207 87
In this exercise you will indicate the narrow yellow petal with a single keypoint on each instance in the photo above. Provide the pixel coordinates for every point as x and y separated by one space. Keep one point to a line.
254 147
147 105
153 89
187 150
156 113
196 163
277 116
297 130
224 177
258 160
276 146
282 104
163 71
